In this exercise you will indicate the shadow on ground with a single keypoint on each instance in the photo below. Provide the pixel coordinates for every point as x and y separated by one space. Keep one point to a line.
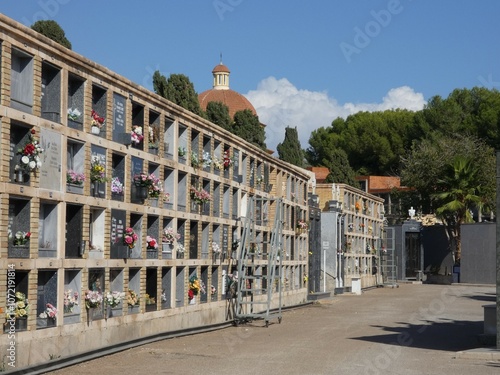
441 335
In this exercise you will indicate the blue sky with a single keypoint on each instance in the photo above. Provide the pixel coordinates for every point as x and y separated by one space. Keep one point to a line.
301 63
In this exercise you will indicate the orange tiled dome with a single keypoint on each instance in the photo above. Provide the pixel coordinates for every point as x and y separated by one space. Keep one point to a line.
222 93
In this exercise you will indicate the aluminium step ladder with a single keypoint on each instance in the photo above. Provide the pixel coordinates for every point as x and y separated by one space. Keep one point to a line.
259 272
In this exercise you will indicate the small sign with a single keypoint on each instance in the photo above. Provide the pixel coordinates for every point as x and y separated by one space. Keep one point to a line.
326 244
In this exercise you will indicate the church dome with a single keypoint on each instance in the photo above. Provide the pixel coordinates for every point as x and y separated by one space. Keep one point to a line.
220 92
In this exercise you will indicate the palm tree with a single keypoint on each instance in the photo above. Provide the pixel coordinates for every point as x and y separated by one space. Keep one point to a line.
457 196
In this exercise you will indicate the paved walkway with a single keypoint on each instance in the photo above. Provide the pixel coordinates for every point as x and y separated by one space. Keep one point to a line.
411 330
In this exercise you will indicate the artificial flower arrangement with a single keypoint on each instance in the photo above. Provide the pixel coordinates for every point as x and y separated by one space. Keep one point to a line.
97 169
199 196
259 180
216 248
155 189
136 134
74 178
20 238
195 287
357 206
181 151
170 236
130 238
113 298
132 298
154 135
97 120
226 160
149 299
152 244
218 163
30 154
93 299
205 160
73 114
166 197
144 179
70 300
21 307
180 248
301 224
116 186
213 291
49 312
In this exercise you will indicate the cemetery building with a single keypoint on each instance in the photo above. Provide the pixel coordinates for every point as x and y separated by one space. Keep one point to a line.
122 214
352 239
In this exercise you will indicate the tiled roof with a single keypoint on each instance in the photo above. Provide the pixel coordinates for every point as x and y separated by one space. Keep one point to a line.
221 68
321 173
235 101
381 183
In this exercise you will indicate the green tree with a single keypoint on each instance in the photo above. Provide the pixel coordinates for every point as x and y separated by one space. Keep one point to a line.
290 150
247 126
426 168
52 30
179 90
457 197
340 170
218 113
373 142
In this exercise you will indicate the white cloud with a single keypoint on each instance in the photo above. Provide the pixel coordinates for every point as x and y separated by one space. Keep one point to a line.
280 104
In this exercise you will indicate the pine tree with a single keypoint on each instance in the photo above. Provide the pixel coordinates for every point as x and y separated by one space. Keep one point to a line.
52 30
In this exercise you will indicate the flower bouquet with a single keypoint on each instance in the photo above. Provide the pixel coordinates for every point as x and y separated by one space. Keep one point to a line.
30 154
70 300
136 135
302 225
216 248
132 298
226 160
19 309
93 299
74 178
170 236
73 114
50 312
116 186
155 189
114 298
195 287
97 169
143 179
152 244
21 238
154 136
149 299
96 120
130 238
199 196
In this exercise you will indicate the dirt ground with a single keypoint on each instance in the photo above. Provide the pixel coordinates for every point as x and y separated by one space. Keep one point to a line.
412 329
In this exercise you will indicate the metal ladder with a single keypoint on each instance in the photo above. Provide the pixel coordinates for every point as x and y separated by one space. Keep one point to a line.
255 289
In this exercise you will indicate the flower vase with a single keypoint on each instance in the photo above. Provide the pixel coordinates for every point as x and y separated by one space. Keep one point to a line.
192 301
95 130
142 192
19 176
153 202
